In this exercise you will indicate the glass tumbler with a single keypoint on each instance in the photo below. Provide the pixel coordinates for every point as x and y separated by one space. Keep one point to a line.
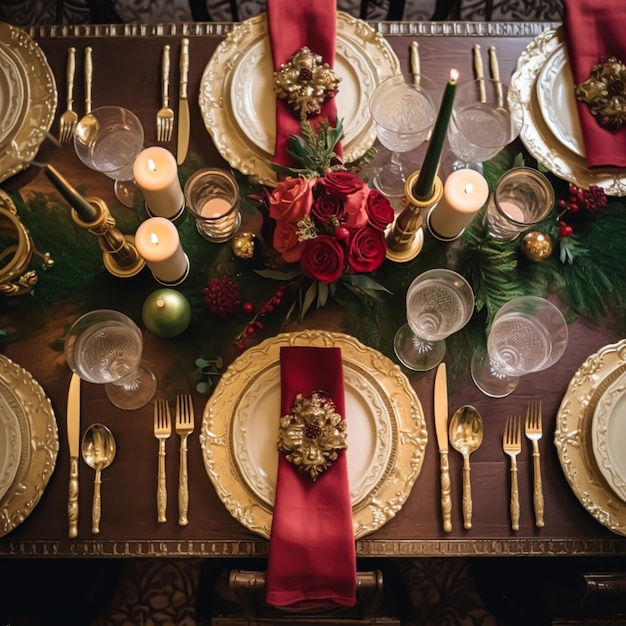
212 196
522 198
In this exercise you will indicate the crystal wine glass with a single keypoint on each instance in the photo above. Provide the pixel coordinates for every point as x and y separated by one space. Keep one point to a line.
439 302
485 118
104 347
528 334
108 140
404 113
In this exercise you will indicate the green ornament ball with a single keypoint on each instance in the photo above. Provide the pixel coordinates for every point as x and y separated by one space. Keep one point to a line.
166 313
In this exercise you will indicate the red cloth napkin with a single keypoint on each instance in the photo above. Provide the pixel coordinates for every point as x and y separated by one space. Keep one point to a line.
292 25
595 29
312 560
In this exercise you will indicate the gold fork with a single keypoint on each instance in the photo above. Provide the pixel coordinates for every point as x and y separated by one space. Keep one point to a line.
512 445
165 115
69 118
184 428
162 430
533 433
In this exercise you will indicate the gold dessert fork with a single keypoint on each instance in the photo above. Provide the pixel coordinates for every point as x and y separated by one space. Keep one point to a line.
512 445
162 431
69 118
184 428
533 433
165 115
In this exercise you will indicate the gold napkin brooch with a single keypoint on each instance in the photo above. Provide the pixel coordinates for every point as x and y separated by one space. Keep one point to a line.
305 82
604 92
313 433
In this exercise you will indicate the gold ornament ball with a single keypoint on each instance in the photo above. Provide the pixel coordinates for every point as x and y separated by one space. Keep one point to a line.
537 245
244 244
166 313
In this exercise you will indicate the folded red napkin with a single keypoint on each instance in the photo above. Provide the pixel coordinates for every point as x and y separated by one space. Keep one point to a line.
312 560
292 25
594 29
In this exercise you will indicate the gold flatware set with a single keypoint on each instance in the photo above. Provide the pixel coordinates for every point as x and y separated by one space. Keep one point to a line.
465 432
69 118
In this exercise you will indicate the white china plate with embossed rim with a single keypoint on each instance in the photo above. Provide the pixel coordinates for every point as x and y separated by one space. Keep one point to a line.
573 435
240 429
39 443
237 101
22 143
12 423
608 434
555 91
535 134
14 94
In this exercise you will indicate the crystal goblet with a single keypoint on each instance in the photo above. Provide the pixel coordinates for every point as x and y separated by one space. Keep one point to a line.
485 118
108 140
439 302
104 347
528 334
404 113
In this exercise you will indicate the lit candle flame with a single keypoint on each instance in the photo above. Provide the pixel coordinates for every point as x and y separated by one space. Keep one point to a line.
469 187
154 239
454 75
152 165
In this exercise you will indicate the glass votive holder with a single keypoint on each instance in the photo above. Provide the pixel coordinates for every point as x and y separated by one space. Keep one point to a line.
212 196
522 198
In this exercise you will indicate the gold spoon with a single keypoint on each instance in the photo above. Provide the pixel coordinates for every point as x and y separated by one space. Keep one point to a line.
98 450
466 435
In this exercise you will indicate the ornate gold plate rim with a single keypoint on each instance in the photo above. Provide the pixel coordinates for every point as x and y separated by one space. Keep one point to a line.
43 442
384 499
537 137
573 441
41 102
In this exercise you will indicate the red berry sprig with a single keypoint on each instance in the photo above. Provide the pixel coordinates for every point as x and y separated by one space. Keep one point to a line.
592 200
256 323
221 296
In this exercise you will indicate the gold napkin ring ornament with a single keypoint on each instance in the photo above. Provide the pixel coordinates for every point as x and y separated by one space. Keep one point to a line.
312 435
604 92
305 81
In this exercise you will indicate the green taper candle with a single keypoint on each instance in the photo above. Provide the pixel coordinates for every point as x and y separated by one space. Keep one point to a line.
424 186
85 211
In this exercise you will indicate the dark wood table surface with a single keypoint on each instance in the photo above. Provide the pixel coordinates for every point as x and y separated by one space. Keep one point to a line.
126 72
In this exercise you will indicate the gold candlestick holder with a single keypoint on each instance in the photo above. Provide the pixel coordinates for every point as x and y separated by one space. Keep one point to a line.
119 253
406 237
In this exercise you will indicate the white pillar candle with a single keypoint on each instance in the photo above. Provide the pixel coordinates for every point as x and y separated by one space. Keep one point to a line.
156 174
464 193
158 243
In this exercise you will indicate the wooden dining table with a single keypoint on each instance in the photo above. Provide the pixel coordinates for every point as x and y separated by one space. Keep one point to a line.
126 61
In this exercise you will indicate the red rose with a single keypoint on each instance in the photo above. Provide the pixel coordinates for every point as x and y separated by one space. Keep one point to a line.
291 200
343 183
367 249
286 242
322 259
354 190
379 210
355 211
326 206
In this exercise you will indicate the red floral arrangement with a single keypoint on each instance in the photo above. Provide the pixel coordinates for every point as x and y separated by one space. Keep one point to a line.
325 219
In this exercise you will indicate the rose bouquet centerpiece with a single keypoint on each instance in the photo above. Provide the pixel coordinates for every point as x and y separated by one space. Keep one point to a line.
324 223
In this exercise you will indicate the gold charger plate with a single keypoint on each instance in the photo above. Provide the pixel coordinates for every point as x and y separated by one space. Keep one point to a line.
21 143
573 437
250 501
237 100
537 136
40 443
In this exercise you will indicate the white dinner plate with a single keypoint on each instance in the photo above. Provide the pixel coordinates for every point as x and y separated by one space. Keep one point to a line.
386 431
555 91
608 433
237 98
14 94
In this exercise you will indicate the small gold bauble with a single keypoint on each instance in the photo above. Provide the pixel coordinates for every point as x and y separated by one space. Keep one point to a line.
243 245
536 245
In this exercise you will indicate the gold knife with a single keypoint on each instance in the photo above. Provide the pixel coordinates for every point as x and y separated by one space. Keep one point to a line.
73 438
441 428
88 79
183 103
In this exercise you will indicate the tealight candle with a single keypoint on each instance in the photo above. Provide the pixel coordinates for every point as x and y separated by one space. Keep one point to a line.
158 243
464 194
156 174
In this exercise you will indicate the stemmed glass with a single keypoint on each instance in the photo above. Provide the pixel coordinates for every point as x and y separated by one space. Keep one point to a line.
439 302
485 118
104 347
108 140
528 334
404 113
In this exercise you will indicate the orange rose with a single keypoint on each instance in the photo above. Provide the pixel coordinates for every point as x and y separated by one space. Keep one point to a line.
286 242
291 200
